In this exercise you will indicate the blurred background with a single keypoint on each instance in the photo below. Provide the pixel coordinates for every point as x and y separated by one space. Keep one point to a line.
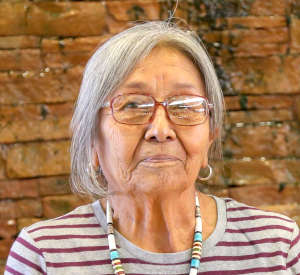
44 45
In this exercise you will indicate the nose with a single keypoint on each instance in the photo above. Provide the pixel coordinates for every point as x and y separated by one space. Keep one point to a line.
159 129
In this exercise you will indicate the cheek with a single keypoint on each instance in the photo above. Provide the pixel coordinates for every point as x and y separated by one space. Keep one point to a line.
196 141
117 143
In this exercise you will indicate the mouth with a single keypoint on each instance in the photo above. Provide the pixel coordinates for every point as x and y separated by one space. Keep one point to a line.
160 161
161 158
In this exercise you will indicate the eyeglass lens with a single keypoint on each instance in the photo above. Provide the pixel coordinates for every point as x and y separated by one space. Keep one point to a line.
138 109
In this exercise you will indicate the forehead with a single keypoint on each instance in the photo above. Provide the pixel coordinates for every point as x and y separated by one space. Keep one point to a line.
164 71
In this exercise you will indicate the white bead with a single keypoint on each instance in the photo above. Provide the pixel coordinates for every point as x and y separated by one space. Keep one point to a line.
111 242
198 226
108 213
197 200
193 271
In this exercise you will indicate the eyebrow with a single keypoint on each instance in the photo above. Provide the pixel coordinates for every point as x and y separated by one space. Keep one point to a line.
137 85
184 86
144 86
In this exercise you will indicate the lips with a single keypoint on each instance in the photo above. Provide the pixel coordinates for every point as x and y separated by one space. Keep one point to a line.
161 158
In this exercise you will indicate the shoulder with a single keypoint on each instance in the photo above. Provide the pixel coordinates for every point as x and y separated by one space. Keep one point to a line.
81 218
51 243
242 218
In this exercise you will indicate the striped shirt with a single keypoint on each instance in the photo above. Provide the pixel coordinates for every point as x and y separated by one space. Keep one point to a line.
245 241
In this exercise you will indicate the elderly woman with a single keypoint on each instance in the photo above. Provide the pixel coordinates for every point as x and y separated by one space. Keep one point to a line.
148 119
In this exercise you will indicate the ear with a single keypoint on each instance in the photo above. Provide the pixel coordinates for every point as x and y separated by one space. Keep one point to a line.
213 135
95 159
95 156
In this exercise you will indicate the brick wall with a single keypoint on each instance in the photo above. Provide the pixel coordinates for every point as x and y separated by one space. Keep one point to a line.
43 48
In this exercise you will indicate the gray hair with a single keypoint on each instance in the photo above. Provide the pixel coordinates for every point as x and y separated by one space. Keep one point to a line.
105 71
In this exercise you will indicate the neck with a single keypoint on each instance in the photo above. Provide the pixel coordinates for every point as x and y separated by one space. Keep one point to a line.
160 223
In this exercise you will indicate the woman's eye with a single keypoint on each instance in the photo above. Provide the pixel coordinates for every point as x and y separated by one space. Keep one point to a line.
131 105
182 106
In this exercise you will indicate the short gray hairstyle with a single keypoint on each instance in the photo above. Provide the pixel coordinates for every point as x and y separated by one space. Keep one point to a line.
109 66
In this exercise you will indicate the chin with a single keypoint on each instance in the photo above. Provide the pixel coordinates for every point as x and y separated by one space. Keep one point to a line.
161 182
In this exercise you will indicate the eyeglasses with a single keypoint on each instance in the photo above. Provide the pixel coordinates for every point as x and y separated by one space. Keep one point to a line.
137 109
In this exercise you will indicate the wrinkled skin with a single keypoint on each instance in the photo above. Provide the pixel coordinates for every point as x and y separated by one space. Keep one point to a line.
156 196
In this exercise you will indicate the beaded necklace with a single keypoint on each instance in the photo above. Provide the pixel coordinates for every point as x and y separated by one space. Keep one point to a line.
196 249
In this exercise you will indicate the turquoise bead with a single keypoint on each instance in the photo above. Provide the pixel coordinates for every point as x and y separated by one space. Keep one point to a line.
114 255
198 237
195 263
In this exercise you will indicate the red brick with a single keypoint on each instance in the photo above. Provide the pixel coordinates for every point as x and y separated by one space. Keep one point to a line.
293 140
248 172
2 265
289 80
66 60
35 122
270 7
8 229
51 45
296 7
29 208
8 210
291 210
269 102
31 87
259 116
287 170
115 27
83 44
12 18
261 171
213 36
297 107
2 165
256 22
258 102
54 186
66 18
18 189
24 222
246 49
71 80
38 159
55 206
79 44
134 10
262 195
232 103
5 246
264 75
19 42
295 34
250 75
240 37
260 141
241 42
25 59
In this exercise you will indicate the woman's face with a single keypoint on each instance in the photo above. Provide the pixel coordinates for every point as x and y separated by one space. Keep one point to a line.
160 156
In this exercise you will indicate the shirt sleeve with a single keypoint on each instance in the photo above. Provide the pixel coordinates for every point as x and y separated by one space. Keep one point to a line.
25 257
293 258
